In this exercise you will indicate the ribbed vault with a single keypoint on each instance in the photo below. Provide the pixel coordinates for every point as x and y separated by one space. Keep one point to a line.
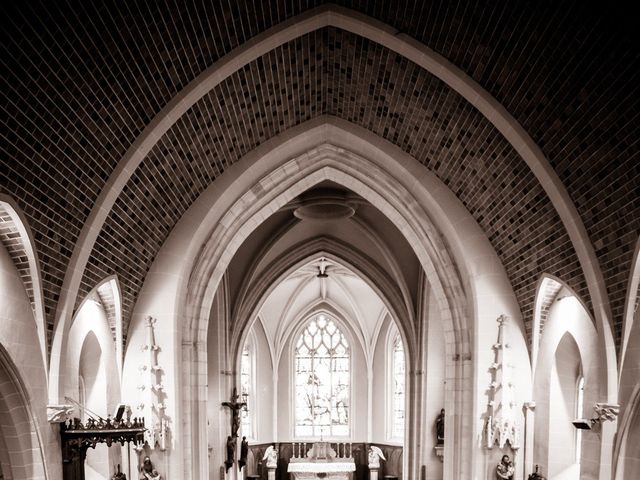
83 81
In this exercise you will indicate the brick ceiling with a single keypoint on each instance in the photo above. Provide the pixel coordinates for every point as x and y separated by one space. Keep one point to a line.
82 81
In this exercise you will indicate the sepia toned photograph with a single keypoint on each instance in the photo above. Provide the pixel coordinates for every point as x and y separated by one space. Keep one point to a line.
311 240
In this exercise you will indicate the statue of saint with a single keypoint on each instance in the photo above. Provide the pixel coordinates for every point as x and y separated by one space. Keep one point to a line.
505 468
374 456
440 428
147 471
244 453
231 451
271 456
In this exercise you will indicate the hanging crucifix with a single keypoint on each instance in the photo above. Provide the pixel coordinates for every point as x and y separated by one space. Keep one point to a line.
235 406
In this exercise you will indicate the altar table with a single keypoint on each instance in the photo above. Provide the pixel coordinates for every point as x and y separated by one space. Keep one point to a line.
331 470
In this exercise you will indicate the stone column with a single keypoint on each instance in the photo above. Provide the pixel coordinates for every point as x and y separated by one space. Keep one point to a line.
373 473
271 473
529 428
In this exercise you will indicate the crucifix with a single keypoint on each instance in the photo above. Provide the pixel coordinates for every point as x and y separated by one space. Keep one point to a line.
235 406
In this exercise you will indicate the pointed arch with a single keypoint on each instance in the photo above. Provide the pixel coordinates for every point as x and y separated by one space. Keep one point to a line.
16 236
632 303
92 321
109 293
289 180
300 254
18 424
323 16
549 286
569 338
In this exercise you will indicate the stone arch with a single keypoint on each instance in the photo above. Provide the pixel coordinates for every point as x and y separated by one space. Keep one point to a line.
331 15
166 286
549 287
109 293
627 447
568 321
331 248
632 303
282 185
628 434
14 222
18 425
91 319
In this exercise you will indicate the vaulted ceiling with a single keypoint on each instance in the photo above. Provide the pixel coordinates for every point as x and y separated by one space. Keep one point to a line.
82 81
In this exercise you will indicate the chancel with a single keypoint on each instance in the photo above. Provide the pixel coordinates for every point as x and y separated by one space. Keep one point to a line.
276 240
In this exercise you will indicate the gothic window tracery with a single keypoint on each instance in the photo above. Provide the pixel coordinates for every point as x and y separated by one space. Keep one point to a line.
322 380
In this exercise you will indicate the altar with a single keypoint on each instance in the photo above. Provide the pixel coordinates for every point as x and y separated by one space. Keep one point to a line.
322 461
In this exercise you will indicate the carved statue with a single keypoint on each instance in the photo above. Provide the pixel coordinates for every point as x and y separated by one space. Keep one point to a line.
244 453
235 406
119 475
505 468
231 451
536 475
440 428
147 472
271 456
375 454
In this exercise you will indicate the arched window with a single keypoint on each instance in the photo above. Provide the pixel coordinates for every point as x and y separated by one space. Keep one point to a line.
397 378
246 388
579 409
82 397
322 380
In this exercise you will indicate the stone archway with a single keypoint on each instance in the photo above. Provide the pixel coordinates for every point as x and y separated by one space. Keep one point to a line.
368 180
23 443
344 254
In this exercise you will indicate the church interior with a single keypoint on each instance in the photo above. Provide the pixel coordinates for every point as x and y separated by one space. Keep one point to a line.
292 239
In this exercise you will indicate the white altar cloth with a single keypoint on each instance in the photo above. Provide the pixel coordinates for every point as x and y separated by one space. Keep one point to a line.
321 467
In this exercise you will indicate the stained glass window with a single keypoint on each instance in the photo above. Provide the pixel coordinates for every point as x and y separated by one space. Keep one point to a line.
322 380
398 388
246 387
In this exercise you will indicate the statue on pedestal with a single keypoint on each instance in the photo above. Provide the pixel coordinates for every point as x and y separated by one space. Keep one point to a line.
271 456
244 453
374 456
505 469
440 428
147 472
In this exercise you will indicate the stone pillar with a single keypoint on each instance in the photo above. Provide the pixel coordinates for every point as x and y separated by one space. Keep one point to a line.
373 473
271 473
529 427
